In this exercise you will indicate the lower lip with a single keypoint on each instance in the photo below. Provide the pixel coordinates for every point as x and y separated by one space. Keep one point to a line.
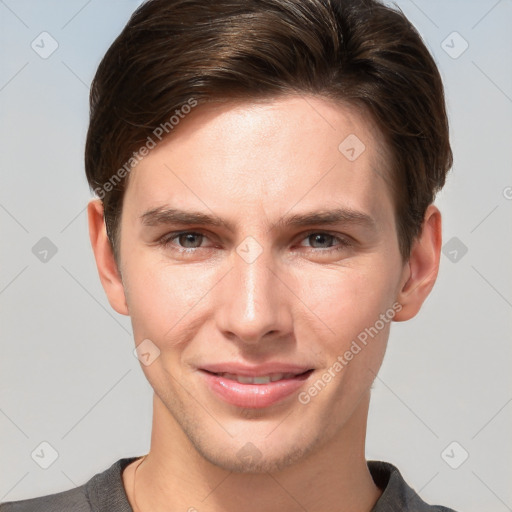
253 396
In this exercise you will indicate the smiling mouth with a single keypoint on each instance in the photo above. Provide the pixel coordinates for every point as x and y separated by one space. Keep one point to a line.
262 379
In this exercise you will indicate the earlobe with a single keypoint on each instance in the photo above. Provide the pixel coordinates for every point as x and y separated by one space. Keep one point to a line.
421 271
109 274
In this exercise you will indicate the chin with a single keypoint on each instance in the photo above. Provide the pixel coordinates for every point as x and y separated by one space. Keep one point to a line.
256 462
244 456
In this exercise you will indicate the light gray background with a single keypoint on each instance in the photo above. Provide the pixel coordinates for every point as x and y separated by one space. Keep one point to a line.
68 374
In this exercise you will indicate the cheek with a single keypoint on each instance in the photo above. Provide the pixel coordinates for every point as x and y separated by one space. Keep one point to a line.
356 304
349 300
162 301
160 298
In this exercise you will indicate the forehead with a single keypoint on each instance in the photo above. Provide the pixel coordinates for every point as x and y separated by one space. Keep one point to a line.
268 154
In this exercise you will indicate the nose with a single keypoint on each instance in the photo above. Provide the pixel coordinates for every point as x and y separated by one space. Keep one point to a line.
254 305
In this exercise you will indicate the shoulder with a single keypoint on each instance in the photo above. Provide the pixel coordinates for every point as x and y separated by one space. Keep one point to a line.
72 500
397 494
103 492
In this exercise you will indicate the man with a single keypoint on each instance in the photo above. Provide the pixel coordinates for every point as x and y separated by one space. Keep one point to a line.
265 173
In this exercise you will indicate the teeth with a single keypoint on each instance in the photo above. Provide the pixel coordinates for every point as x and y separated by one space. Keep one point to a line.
264 379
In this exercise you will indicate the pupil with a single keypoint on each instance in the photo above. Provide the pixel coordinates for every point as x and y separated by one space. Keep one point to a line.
319 236
189 237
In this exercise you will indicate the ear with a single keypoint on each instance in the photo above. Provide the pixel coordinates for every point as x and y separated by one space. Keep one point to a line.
110 276
420 272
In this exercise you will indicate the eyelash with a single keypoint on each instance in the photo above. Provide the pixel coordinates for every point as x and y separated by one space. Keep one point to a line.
166 240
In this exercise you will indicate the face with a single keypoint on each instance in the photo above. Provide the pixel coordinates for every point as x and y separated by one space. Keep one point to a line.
293 259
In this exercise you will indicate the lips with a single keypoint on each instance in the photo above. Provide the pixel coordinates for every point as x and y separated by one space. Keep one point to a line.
254 387
255 371
262 379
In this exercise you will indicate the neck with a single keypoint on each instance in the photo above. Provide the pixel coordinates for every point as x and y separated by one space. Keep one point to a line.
175 476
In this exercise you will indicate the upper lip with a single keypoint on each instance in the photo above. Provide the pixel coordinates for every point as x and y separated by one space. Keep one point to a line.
255 371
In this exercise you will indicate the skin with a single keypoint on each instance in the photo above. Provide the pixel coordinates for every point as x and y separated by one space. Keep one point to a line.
304 299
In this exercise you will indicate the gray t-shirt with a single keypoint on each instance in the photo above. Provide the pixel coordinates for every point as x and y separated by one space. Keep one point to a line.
104 492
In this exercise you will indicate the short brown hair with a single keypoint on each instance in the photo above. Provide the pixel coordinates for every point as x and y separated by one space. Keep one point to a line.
359 52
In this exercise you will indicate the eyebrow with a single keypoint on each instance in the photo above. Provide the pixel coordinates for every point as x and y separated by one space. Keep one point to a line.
163 215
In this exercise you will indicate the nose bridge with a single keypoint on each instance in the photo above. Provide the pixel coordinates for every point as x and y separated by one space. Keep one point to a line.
255 279
253 306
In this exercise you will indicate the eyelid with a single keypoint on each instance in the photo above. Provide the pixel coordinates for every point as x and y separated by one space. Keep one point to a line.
343 240
167 238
